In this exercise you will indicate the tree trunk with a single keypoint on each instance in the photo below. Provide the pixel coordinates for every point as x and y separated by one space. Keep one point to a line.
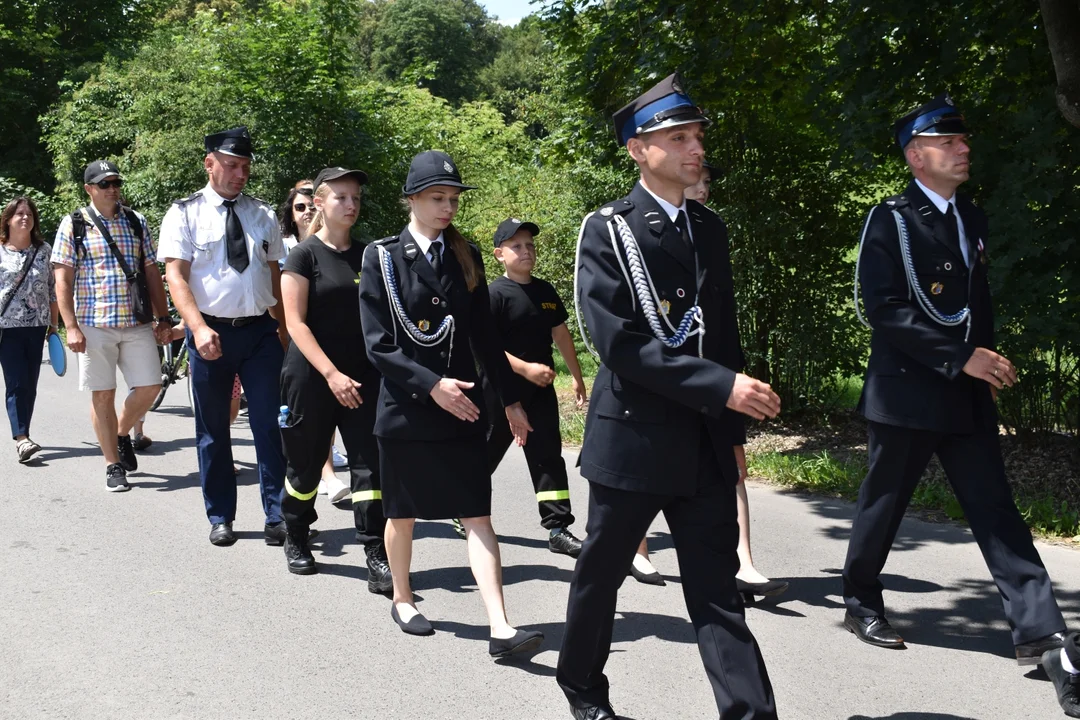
1062 21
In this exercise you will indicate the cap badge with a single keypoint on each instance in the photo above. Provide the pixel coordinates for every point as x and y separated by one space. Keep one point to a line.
665 307
447 167
103 166
948 100
515 221
937 288
676 86
607 211
423 325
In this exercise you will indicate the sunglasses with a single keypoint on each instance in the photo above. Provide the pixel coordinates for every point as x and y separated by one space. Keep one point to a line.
106 184
303 207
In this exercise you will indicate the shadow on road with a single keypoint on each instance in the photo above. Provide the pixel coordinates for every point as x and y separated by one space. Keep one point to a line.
912 716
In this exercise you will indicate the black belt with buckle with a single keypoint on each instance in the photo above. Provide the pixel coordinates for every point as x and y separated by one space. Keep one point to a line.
234 322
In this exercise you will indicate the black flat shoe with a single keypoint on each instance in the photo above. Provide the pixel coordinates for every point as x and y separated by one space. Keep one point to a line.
419 625
653 578
751 591
522 642
1030 653
593 712
221 534
874 630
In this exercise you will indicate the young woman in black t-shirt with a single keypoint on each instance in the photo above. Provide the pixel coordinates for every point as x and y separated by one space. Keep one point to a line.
327 381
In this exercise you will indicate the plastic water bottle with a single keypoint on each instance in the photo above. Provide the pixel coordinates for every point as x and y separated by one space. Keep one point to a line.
283 417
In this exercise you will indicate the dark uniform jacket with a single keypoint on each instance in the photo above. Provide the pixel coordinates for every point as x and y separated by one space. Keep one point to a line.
649 402
410 370
915 377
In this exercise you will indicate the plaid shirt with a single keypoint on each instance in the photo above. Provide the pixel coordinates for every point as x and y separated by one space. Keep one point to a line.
101 289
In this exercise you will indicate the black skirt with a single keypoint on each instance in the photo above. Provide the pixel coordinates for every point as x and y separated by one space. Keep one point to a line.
435 480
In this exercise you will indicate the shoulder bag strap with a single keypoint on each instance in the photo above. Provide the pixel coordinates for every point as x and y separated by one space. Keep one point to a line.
112 244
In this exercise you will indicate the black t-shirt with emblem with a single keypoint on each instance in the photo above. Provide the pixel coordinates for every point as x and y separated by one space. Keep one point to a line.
333 308
525 315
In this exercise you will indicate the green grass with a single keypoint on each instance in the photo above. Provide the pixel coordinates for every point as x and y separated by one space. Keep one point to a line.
823 474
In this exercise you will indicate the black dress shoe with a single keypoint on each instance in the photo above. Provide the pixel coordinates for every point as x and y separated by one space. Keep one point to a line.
564 543
653 578
297 553
593 712
874 630
419 625
1066 684
379 578
221 534
522 641
1030 653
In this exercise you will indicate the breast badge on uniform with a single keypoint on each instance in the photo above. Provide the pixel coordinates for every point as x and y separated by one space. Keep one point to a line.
936 288
424 325
665 307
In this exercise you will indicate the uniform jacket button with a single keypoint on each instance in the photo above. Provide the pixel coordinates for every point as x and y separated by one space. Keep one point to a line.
948 365
414 396
704 409
442 353
443 303
626 413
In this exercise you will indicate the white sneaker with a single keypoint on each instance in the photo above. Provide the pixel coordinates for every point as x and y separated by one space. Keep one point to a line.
322 487
339 460
336 490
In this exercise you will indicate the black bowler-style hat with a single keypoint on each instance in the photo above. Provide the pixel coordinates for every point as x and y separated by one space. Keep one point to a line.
432 167
334 173
98 171
508 227
664 105
234 141
940 116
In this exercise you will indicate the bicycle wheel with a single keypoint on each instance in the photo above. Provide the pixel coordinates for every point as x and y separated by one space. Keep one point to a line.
167 376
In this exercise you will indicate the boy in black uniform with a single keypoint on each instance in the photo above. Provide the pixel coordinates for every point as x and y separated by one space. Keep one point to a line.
529 316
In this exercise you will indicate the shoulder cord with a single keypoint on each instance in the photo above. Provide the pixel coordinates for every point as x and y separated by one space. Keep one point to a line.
446 327
914 288
642 290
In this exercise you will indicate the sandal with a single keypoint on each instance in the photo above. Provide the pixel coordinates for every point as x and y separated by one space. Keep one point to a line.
142 442
26 448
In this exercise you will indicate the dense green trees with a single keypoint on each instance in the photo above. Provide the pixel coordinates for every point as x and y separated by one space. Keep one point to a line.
802 95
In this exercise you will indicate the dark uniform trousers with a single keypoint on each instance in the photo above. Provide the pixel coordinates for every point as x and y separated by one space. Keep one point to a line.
543 451
705 529
314 414
919 403
254 353
974 467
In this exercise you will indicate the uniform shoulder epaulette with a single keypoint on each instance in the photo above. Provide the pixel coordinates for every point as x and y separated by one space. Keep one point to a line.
190 198
386 240
619 206
896 202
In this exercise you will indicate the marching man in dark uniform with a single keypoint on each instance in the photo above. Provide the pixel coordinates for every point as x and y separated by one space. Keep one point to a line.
653 273
931 383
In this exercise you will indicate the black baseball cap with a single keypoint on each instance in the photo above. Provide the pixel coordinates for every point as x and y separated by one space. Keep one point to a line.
334 173
508 227
432 167
99 170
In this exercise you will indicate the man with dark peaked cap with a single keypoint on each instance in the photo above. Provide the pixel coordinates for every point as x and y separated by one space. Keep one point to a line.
664 412
931 385
221 250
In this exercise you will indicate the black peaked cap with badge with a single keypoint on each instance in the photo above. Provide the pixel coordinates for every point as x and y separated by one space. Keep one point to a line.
99 170
432 167
664 105
939 116
507 229
336 173
234 141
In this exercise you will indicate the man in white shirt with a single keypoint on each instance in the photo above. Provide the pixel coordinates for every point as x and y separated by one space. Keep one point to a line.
221 250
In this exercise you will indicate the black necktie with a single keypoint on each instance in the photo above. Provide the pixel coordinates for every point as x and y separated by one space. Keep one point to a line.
436 258
235 243
680 223
953 229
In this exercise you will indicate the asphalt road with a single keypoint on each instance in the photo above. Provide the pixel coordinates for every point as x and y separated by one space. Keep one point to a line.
117 606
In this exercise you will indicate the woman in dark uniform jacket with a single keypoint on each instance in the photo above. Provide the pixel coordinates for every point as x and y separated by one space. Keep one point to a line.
424 308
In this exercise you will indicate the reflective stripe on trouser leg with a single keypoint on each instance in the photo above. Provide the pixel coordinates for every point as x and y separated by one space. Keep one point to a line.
552 495
366 496
299 495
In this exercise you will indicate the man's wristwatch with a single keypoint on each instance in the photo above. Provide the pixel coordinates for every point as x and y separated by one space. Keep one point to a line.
165 319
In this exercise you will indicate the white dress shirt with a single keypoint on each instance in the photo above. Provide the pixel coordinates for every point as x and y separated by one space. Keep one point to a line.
195 231
943 205
425 243
672 211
